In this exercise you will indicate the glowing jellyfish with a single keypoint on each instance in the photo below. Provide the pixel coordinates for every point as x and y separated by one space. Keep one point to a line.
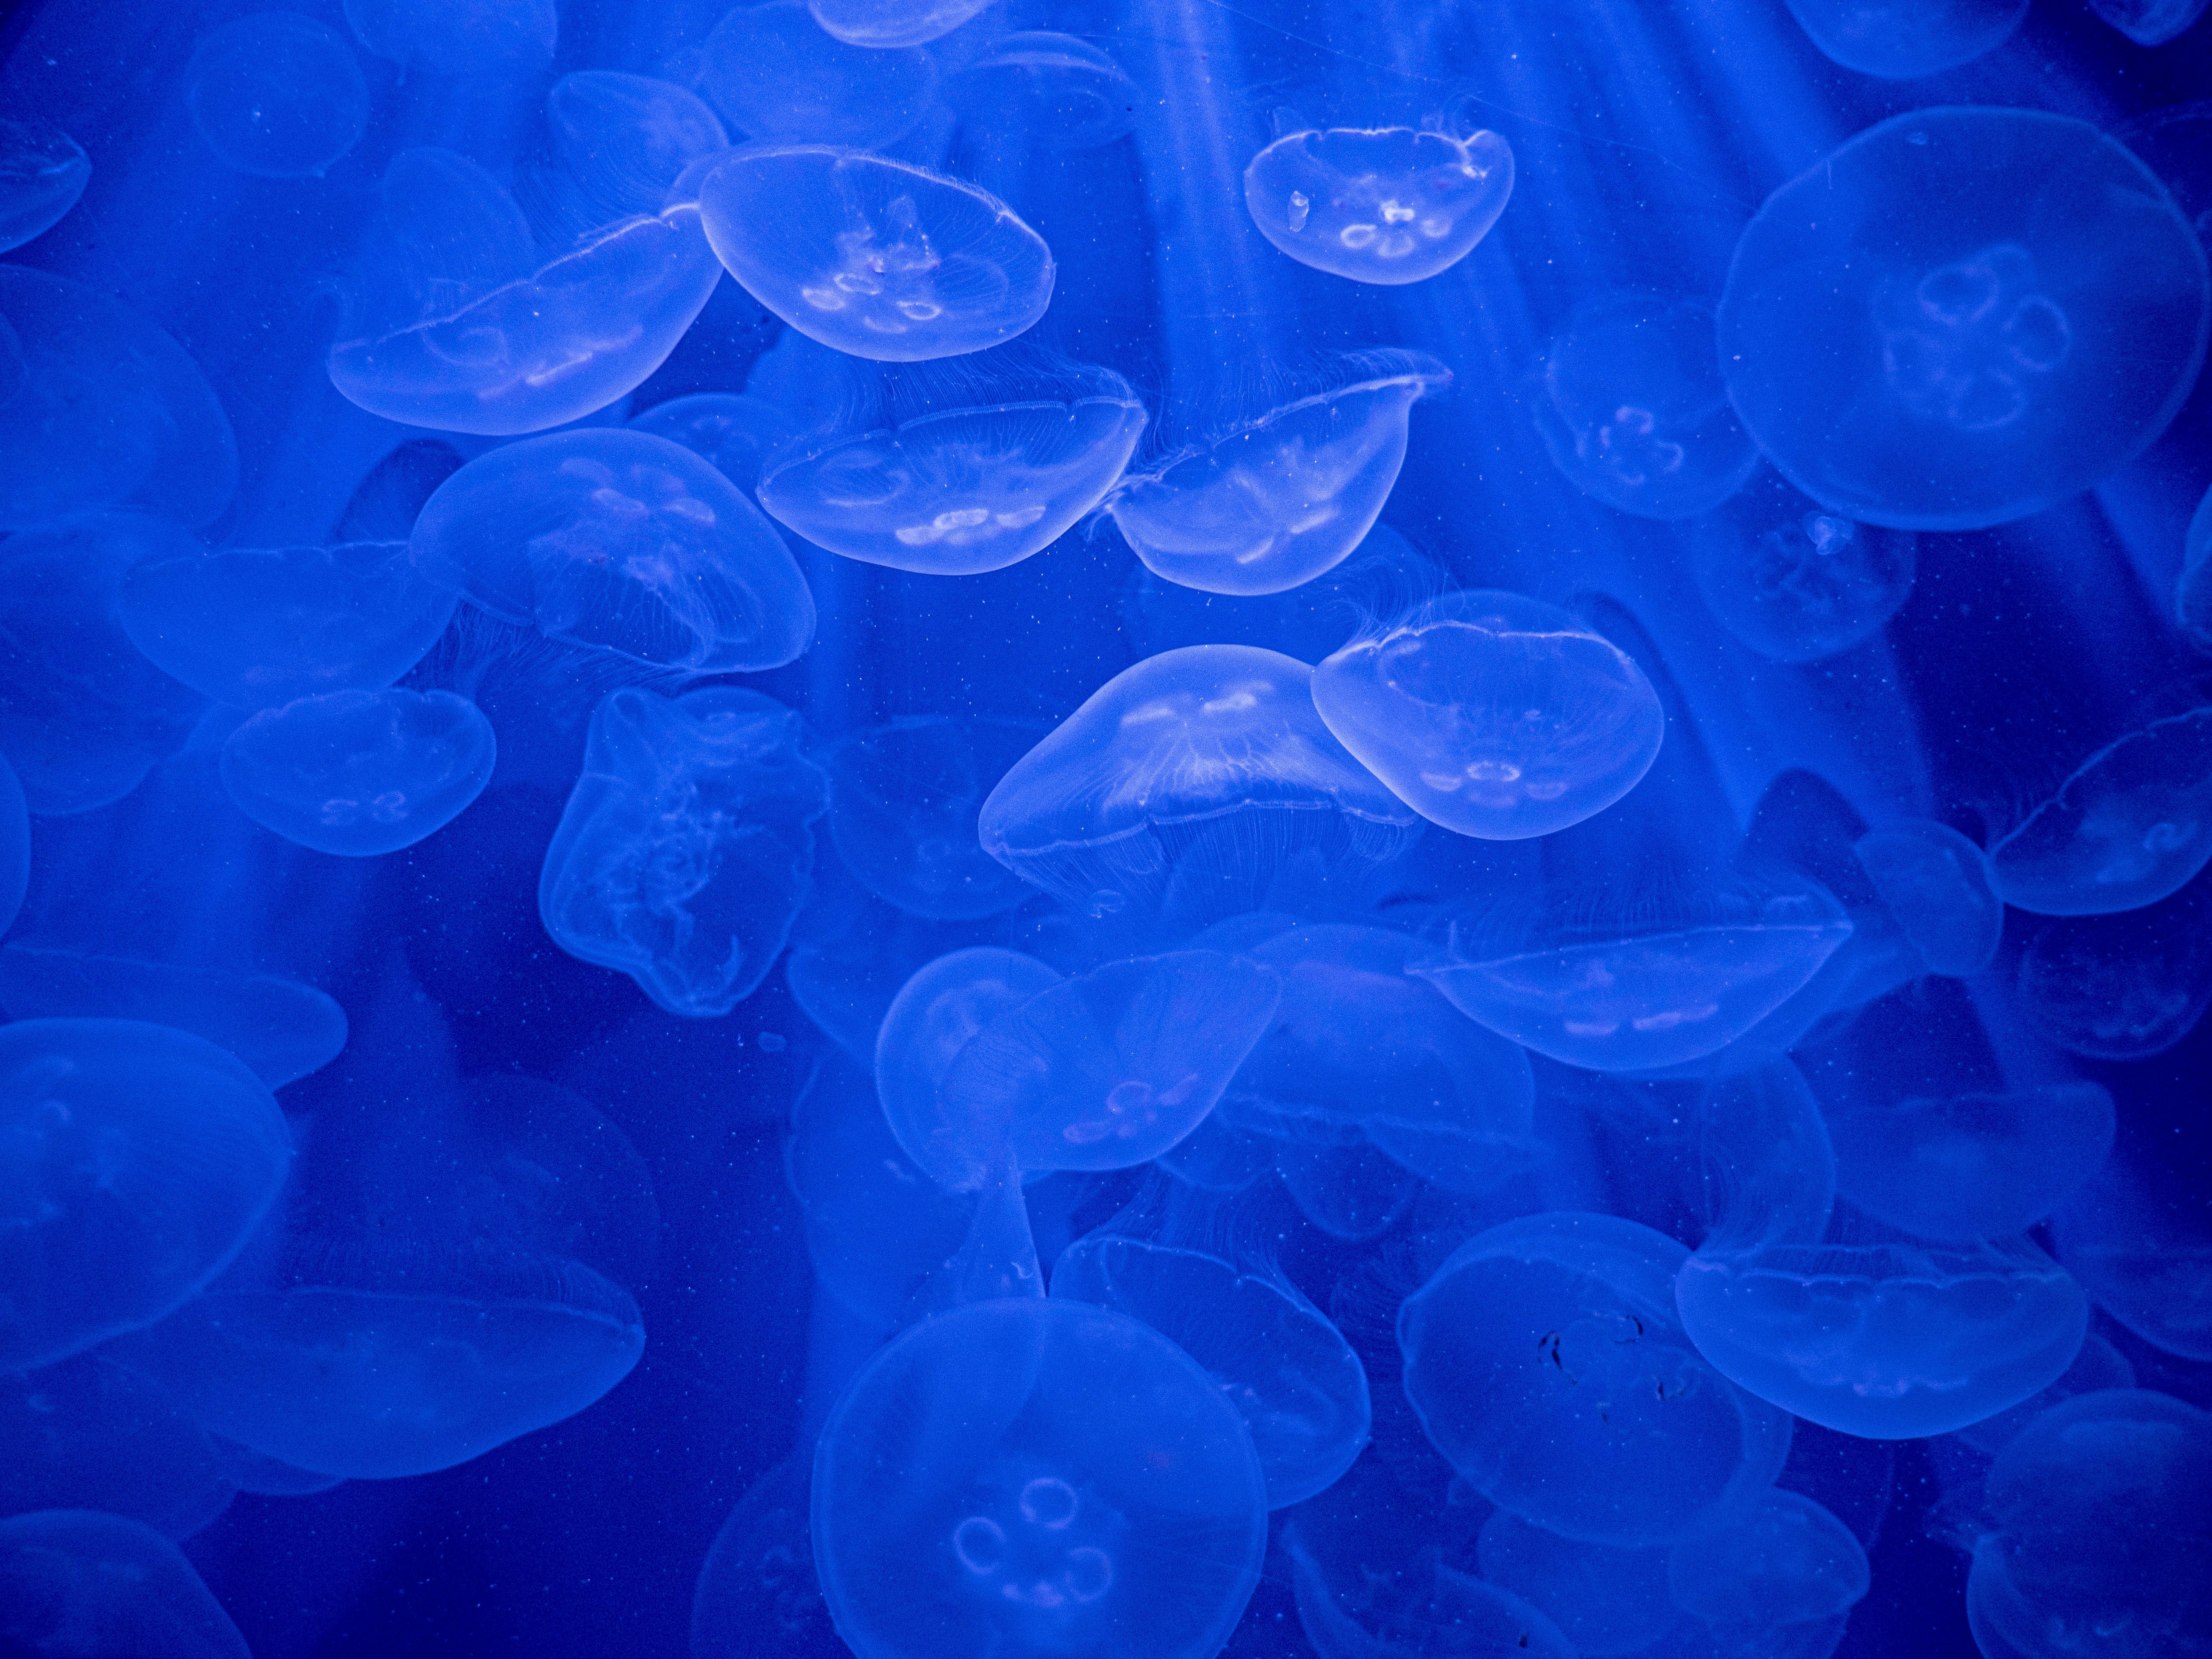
78 1584
961 491
1493 714
758 1582
2125 987
1272 503
1039 1476
1779 1575
257 627
1386 205
2099 1365
43 172
360 772
903 800
1902 41
1213 753
2145 1261
143 1157
773 74
622 544
276 94
1631 407
1888 1342
1938 886
2150 23
875 258
476 37
687 848
1795 582
884 24
935 1015
1057 88
15 845
2130 827
1606 1599
111 412
2193 592
1299 1385
1767 1159
1912 328
732 433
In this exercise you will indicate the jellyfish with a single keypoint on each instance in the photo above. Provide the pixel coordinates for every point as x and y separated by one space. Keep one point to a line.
1492 715
2124 986
1064 91
1902 42
15 845
2128 826
961 491
757 1583
145 1157
1274 502
1794 581
687 848
479 37
43 172
1210 754
1548 1365
903 800
1631 408
623 544
2150 23
360 774
1765 1158
1380 205
389 498
2146 1262
734 433
78 1584
773 74
256 628
1431 1608
1299 1386
883 25
851 951
1938 886
276 94
2193 592
1912 328
1607 1599
1765 1572
110 412
2099 1365
88 1434
1037 1476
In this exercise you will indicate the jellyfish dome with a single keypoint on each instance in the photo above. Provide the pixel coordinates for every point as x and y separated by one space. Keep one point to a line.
874 257
2150 23
1780 1568
904 800
1062 90
1213 752
15 845
775 75
477 36
887 23
1493 714
43 172
1794 581
1037 1476
1902 41
1913 328
2192 597
276 94
78 1584
1388 204
731 432
1938 886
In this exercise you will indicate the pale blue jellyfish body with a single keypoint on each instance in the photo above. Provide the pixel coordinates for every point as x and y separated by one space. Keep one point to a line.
1902 41
1607 1599
278 94
2123 987
772 72
1794 581
89 1434
1388 205
1055 88
2150 23
2193 592
78 1584
731 432
1938 886
885 24
43 172
904 800
1765 1572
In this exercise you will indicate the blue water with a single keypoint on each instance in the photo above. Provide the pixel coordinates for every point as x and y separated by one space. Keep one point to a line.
994 830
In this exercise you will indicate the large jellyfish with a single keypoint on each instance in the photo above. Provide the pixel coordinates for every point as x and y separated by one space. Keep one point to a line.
1037 1476
904 800
78 1584
89 1434
1938 886
1779 1575
1904 39
1794 581
1913 329
276 94
1607 1599
1380 205
2143 1260
43 172
773 74
757 1583
474 37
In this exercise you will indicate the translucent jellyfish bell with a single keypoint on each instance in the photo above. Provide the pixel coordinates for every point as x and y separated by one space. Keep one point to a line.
2123 987
1605 1599
1035 1476
477 36
1779 1575
1938 884
1064 91
1912 328
903 800
1384 204
757 1583
882 24
78 1582
1795 582
43 172
1272 503
276 94
1493 714
2146 1262
88 1434
1903 40
775 75
875 258
2150 23
732 433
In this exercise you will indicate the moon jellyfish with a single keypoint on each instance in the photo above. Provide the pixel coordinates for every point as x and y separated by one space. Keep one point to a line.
687 848
1063 91
1903 41
1912 328
732 433
110 412
936 1014
903 801
773 74
757 1583
1767 1159
1386 204
1037 1476
1938 886
875 258
1274 502
15 845
2130 826
78 1584
43 172
1630 407
2150 23
2145 1261
87 1434
1606 1599
2099 1365
142 1159
621 543
961 491
1779 1575
1493 715
1794 581
1547 1363
1290 1373
255 628
2125 987
360 774
885 24
1888 1342
276 94
476 37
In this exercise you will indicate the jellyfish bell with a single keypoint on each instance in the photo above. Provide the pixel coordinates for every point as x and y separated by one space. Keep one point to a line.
43 172
479 37
734 433
775 74
1386 205
1902 42
1064 90
886 24
276 94
1794 581
903 800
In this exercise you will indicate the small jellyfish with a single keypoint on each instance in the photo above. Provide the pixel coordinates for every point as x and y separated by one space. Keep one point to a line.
1794 581
1274 502
78 1584
1938 886
1213 752
621 544
1383 204
2145 1261
43 172
142 1158
476 37
961 491
1779 1575
1035 1476
2150 23
1608 1600
1913 328
15 845
874 257
2125 987
757 1586
886 24
1493 714
773 74
903 800
255 628
687 848
732 432
276 94
1904 39
2130 826
360 774
1631 407
88 1434
1054 88
2193 599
